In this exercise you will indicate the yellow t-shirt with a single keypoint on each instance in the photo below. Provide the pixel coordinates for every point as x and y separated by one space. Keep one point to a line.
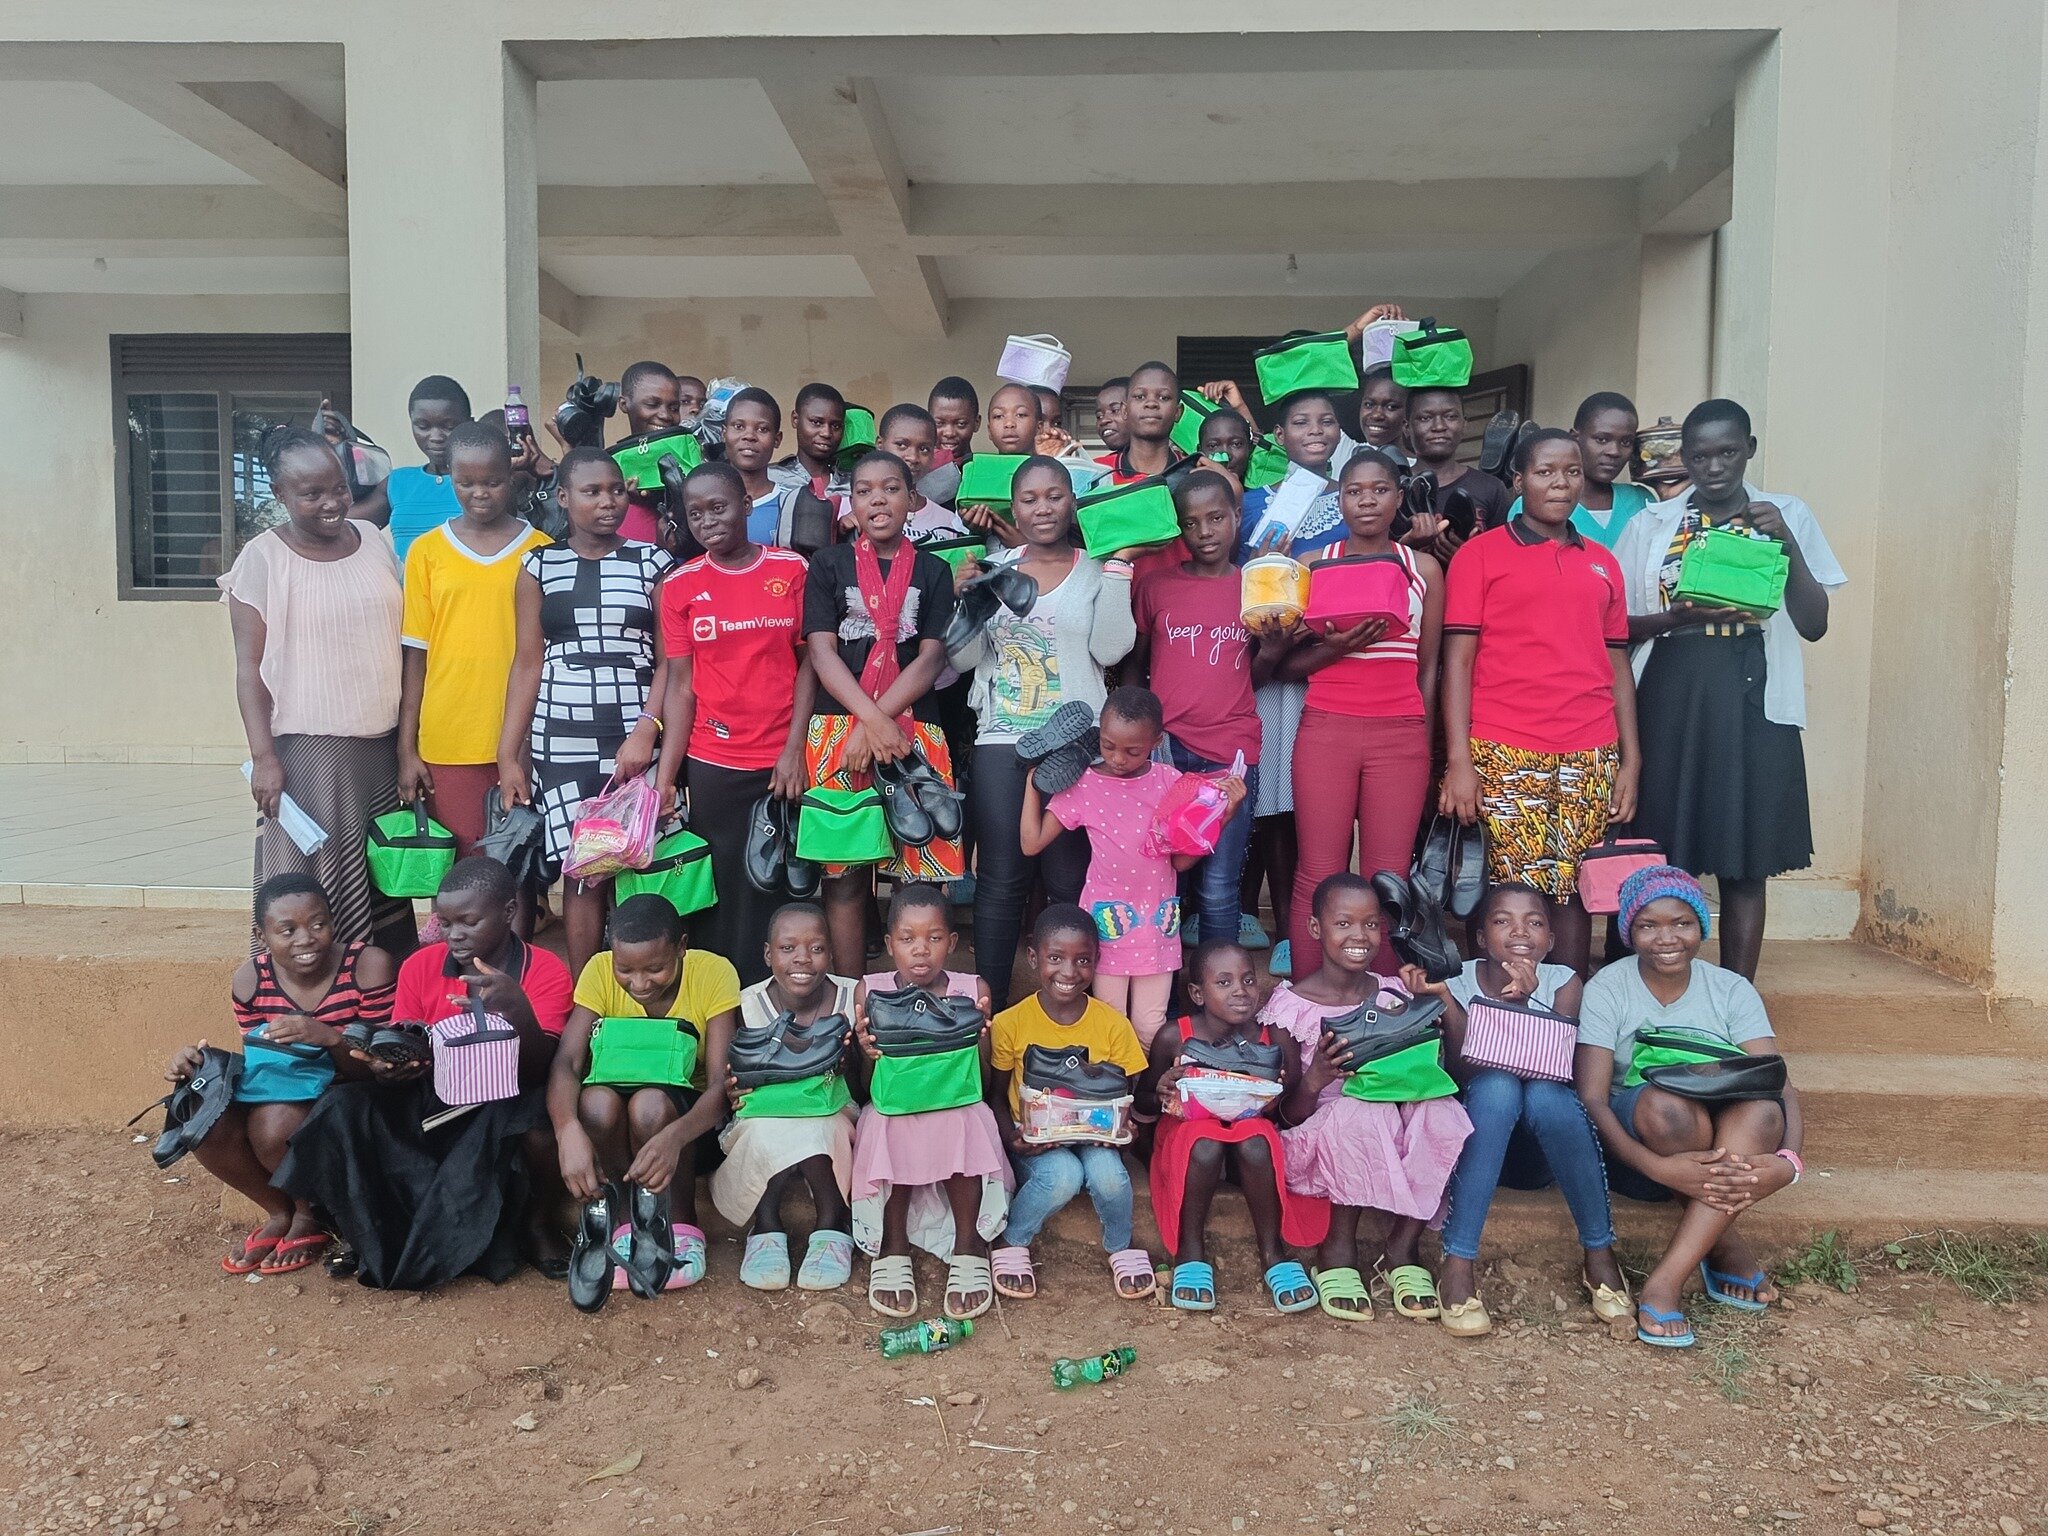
1105 1033
459 610
710 986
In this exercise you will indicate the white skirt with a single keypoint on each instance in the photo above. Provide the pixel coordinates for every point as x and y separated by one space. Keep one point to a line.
757 1150
1280 706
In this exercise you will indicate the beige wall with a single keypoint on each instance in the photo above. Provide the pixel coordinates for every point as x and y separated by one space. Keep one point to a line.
782 344
1675 333
1573 319
80 670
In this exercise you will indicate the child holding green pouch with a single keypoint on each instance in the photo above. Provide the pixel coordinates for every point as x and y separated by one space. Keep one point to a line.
626 1092
788 1133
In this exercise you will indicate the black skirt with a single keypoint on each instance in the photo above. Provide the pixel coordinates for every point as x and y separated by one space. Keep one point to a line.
1723 788
418 1207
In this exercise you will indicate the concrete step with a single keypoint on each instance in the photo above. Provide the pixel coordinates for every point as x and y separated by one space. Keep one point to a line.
1888 1110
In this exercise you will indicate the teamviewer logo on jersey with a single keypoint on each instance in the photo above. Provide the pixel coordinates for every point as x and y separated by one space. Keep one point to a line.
704 628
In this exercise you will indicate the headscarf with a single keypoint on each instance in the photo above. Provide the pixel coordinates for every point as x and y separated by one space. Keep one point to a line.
1657 883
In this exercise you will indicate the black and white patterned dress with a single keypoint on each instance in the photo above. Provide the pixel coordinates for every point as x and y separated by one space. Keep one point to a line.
597 618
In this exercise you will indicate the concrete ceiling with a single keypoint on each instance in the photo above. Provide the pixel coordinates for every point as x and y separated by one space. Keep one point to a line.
711 277
618 133
1448 273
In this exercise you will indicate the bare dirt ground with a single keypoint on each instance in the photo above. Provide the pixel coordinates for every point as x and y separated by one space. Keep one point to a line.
143 1390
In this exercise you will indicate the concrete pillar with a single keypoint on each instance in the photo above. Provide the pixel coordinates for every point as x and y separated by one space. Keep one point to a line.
443 244
1800 341
1675 337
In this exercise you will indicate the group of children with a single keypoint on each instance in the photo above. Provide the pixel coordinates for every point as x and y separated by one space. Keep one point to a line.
759 632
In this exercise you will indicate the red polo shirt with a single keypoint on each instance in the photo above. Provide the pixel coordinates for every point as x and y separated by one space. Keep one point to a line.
1547 615
429 988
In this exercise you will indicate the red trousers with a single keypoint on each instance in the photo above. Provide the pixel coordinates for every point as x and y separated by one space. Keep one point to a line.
1367 771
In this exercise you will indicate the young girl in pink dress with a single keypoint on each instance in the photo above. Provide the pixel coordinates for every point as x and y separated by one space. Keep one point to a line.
1131 892
1355 1153
941 1179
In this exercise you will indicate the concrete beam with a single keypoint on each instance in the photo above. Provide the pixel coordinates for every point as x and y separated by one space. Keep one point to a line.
12 326
687 221
561 307
255 127
160 221
1691 191
838 129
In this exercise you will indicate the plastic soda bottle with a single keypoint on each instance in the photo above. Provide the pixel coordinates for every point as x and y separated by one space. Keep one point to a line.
925 1338
1068 1374
517 421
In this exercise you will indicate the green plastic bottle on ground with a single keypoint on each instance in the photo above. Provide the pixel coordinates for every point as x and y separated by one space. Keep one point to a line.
925 1338
1068 1374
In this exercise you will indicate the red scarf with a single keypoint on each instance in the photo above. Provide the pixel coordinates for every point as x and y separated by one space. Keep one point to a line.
884 598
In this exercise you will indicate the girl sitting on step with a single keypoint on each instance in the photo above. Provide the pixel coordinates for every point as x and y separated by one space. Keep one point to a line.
1661 1006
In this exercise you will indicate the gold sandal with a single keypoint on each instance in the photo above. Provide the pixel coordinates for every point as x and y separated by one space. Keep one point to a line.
1466 1319
1608 1303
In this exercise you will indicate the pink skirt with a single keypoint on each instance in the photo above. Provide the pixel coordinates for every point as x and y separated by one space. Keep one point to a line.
925 1149
1384 1157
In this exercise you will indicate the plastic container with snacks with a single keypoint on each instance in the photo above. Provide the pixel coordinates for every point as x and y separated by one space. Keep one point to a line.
1275 590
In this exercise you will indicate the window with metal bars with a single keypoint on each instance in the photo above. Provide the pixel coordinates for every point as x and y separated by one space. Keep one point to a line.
190 413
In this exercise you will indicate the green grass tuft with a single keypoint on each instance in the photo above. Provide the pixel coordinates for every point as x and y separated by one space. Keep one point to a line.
1419 1418
1823 1261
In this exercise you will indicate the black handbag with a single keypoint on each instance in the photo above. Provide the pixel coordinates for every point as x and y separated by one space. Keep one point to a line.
786 1053
1369 1032
1728 1081
195 1106
1067 1070
912 1022
1237 1054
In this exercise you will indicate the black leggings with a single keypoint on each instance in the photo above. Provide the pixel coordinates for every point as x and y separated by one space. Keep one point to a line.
737 927
1002 873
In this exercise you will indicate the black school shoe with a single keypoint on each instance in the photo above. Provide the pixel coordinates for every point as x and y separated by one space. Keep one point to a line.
1063 768
1496 448
590 1255
909 824
1468 870
651 1247
1416 926
945 805
1071 725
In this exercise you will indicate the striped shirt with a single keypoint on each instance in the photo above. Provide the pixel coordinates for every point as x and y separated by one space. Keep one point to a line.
346 1003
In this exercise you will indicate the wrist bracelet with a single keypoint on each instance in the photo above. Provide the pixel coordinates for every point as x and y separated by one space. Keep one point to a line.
1798 1167
1116 567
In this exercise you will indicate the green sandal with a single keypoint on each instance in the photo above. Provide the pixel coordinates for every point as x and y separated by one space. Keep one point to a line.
1333 1285
1414 1292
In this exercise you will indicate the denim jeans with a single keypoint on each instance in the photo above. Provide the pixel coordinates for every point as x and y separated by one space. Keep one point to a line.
1497 1101
1048 1180
1215 879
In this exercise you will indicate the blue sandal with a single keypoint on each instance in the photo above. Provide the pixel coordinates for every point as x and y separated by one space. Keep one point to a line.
1287 1279
1714 1279
1684 1340
1194 1286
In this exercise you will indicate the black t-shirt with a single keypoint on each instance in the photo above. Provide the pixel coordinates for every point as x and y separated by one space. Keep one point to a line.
1491 498
832 604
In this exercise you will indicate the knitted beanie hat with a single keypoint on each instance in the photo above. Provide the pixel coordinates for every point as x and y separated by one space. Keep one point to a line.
1655 884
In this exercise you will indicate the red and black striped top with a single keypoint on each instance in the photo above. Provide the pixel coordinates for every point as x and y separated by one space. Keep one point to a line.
344 1004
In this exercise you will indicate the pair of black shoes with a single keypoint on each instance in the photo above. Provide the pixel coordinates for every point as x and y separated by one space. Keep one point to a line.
1060 750
1505 434
650 1256
770 857
918 804
1416 925
1450 866
977 602
1418 497
396 1045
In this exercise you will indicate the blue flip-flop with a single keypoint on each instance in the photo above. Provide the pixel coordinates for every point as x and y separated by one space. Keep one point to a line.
1289 1278
1684 1340
1714 1279
1190 1280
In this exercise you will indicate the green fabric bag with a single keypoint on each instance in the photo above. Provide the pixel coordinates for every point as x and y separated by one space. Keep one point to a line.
1319 361
408 854
1406 1077
1732 570
1269 465
1674 1048
640 462
859 436
1195 408
1432 359
655 1052
985 480
843 826
679 872
919 1085
812 1098
955 551
1128 517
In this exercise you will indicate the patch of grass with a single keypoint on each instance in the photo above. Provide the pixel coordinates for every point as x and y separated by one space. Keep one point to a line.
1419 1418
1725 1352
1636 1259
2021 1403
1994 1270
1823 1261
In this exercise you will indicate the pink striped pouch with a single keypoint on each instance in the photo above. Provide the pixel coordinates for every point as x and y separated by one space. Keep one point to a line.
1516 1038
476 1059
